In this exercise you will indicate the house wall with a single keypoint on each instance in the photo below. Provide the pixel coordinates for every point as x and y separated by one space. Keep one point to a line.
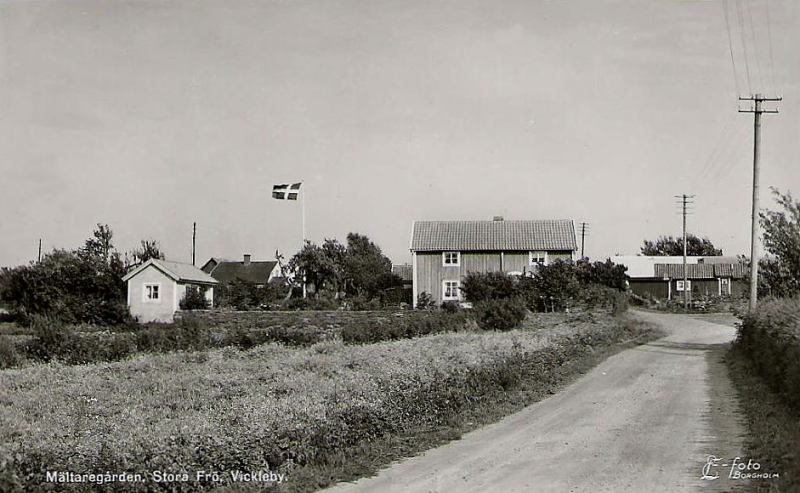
430 273
700 287
161 311
657 288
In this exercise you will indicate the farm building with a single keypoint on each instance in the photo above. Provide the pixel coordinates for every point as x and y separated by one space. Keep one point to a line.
662 277
156 287
258 272
443 252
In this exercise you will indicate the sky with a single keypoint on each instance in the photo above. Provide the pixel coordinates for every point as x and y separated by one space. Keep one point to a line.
151 115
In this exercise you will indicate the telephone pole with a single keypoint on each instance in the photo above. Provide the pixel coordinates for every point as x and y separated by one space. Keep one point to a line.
757 110
686 200
39 258
584 232
194 238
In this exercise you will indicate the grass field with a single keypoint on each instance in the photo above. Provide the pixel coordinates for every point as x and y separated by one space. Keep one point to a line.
271 409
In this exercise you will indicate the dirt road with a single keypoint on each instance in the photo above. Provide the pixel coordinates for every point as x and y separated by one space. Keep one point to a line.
645 420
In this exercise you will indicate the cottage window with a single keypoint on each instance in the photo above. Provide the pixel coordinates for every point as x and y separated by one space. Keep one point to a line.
450 290
452 259
151 292
679 286
538 258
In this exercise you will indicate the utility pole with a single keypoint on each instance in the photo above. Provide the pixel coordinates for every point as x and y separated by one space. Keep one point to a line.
194 239
686 200
757 110
39 258
584 232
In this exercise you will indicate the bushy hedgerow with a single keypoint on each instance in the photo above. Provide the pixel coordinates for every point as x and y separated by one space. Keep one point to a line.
302 407
9 355
500 314
404 326
770 336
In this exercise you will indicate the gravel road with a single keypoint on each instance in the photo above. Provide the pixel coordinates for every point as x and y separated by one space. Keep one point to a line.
644 420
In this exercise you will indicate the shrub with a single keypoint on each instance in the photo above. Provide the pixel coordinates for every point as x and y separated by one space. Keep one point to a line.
188 333
500 314
9 356
425 301
194 299
770 336
413 324
480 286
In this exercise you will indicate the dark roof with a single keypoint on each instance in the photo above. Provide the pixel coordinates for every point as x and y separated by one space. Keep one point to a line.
700 271
493 235
177 271
257 272
404 271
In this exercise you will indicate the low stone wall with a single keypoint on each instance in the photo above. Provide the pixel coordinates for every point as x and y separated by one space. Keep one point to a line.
326 320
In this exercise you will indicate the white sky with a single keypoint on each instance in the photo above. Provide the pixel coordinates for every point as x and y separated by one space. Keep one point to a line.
149 115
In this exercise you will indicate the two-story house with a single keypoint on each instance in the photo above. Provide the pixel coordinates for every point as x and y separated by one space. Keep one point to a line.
443 252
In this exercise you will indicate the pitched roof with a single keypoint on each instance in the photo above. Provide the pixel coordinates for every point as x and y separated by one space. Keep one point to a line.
256 272
701 271
493 235
404 271
177 271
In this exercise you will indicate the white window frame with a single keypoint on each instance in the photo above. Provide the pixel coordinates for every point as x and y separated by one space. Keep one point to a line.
679 285
457 297
445 263
146 298
539 253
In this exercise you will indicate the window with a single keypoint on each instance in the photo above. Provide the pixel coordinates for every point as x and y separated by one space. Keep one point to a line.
151 292
452 259
538 258
679 286
450 290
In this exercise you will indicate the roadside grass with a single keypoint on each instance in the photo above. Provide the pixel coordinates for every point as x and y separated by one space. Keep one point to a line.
320 415
774 428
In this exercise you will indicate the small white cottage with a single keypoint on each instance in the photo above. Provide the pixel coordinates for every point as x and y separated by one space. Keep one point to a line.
156 287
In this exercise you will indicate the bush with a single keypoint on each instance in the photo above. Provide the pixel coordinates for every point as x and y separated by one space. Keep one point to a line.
770 336
412 324
194 299
425 301
480 286
502 314
9 356
189 333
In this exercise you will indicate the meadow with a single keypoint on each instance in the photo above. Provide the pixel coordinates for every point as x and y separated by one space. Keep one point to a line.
270 409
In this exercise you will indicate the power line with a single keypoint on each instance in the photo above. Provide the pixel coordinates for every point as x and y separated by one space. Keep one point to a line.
744 43
730 45
769 38
749 13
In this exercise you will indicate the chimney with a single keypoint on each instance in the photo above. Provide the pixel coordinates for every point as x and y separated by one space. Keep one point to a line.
498 218
246 259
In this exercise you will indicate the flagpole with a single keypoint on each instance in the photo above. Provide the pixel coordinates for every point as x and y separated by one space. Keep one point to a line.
303 220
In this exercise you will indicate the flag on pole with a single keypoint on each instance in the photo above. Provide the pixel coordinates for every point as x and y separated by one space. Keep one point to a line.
286 191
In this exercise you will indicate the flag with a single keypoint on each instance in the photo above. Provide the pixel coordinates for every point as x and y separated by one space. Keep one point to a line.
286 192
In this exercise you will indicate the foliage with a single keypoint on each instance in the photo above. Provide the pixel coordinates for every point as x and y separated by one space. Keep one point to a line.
267 408
673 246
194 299
602 273
479 286
9 355
148 249
403 326
357 270
500 314
780 275
241 294
425 301
553 286
770 337
75 286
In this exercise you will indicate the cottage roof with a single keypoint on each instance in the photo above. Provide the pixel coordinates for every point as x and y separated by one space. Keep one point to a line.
701 271
493 235
177 271
256 272
404 271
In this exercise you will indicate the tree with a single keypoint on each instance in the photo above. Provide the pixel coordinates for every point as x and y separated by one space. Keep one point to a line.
149 249
320 266
780 275
366 269
670 246
83 285
604 273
